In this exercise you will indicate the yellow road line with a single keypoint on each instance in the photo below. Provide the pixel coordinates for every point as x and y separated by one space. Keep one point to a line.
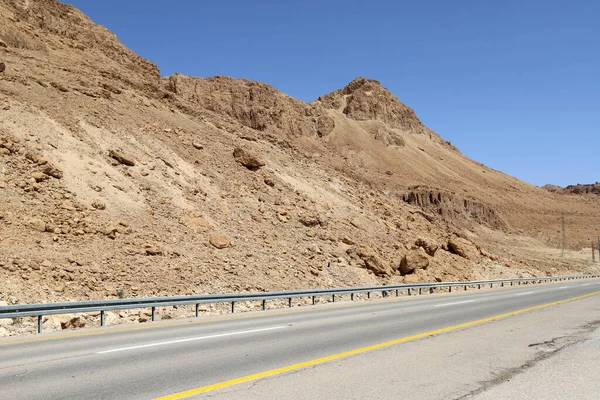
292 367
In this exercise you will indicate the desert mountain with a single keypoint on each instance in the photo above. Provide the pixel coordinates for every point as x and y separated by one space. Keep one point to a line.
115 180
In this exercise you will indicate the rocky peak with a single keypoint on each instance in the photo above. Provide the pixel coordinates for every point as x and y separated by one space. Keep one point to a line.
365 99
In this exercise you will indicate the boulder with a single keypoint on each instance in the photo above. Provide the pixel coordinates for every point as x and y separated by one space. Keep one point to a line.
39 176
372 261
2 67
220 241
428 245
37 224
413 260
123 158
463 248
247 158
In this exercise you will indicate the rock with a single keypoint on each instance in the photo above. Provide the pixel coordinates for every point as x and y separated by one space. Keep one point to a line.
2 67
220 241
36 158
46 264
463 248
37 224
309 220
98 205
152 250
413 260
428 245
325 125
348 241
73 323
372 261
1 214
247 158
195 222
311 233
123 158
53 172
197 145
357 223
268 180
39 176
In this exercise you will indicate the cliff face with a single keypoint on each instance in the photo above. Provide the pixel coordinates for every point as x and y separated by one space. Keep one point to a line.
113 179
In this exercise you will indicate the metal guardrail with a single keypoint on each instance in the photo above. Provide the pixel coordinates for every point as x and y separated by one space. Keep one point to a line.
39 310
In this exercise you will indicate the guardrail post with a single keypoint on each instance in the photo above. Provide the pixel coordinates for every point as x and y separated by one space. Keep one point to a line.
40 323
197 310
502 284
153 313
431 290
479 286
368 295
333 298
314 300
397 294
233 307
352 296
491 285
409 292
465 288
420 292
449 289
290 302
264 304
101 317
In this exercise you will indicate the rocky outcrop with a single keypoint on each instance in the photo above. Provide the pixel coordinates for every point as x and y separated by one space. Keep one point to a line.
451 207
254 104
365 99
583 189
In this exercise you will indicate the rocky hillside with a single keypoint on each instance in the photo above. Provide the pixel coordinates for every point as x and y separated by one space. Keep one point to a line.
588 189
115 181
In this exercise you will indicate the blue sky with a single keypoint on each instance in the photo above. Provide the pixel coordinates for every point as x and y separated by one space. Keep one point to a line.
513 84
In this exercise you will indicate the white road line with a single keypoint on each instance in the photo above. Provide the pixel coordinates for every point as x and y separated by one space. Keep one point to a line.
189 340
523 294
563 287
451 304
586 284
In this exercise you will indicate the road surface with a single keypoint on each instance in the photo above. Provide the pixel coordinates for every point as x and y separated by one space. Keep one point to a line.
373 349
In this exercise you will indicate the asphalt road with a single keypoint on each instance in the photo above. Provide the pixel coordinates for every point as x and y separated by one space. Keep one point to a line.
164 359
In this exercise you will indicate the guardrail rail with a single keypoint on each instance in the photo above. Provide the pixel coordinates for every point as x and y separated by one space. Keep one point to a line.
40 310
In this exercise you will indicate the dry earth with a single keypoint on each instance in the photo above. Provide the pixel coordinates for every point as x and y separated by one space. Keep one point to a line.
117 181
